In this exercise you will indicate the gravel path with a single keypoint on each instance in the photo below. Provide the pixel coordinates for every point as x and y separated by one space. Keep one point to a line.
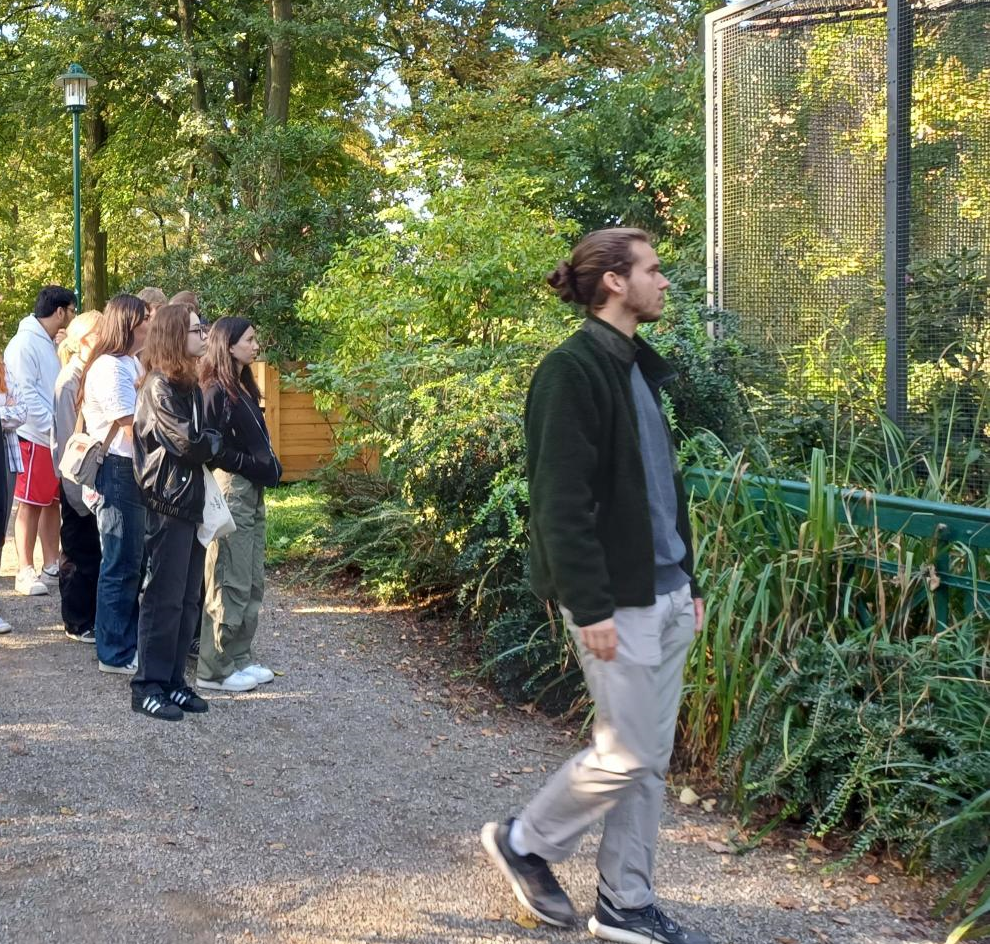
339 804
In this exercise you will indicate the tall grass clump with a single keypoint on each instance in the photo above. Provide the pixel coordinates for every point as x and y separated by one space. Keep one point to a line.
823 687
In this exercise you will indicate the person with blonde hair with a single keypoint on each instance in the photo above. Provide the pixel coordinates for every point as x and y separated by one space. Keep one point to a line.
80 326
79 562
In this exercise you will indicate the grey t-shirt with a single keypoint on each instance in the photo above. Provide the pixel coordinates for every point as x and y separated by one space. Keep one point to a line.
658 464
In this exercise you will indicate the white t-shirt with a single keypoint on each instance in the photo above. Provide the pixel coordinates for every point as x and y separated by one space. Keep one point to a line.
110 394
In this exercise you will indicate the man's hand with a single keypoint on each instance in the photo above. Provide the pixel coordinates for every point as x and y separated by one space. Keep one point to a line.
699 614
601 639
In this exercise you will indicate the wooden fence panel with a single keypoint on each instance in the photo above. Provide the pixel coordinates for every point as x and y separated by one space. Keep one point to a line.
302 436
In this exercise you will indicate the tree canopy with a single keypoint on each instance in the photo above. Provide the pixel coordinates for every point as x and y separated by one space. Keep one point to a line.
237 148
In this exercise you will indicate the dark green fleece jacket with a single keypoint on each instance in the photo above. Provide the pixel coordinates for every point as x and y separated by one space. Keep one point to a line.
591 538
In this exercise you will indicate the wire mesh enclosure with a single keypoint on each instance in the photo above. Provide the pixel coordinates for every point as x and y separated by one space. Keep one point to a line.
849 204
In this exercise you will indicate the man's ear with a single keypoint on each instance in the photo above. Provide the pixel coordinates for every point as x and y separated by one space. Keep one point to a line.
614 283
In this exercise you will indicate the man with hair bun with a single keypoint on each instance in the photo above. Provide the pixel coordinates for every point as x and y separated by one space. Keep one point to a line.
610 542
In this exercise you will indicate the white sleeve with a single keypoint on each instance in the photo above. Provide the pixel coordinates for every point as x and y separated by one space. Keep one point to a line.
119 396
22 362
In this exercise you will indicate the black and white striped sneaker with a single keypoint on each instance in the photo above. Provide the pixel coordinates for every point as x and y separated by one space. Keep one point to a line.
188 700
156 706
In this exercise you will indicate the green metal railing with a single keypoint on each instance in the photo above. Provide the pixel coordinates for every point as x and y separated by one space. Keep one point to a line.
942 524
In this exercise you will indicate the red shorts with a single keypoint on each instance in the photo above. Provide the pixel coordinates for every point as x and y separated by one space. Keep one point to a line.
37 484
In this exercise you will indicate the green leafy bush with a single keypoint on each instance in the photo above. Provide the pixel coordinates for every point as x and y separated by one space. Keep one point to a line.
882 737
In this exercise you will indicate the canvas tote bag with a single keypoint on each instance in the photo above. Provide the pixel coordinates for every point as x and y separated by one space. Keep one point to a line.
218 522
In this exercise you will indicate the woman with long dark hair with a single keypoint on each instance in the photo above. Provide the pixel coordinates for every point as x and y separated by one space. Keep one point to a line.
246 465
107 398
171 446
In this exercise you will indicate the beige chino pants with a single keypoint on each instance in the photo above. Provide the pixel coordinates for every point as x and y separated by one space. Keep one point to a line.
235 583
621 776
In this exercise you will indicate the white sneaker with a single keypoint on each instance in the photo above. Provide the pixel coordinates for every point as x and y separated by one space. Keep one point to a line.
236 682
128 669
259 672
49 575
27 583
5 627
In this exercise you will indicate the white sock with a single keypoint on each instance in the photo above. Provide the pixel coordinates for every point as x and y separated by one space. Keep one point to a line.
516 843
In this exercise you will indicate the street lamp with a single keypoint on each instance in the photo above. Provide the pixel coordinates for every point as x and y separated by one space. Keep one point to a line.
76 84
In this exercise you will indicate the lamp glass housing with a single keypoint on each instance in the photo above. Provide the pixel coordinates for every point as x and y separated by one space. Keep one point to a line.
75 85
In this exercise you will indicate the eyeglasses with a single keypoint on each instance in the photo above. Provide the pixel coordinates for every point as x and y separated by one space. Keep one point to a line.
203 330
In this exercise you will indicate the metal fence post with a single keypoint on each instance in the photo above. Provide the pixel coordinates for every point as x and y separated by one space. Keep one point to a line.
897 201
713 113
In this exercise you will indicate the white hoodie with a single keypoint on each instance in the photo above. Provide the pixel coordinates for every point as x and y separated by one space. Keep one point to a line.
32 360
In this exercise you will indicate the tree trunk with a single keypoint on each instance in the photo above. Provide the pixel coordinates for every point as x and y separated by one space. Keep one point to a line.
186 10
94 261
278 85
279 78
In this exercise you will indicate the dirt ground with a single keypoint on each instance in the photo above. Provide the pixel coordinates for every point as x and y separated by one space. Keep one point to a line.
341 803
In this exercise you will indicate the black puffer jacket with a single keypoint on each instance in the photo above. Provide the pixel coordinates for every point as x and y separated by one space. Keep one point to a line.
171 446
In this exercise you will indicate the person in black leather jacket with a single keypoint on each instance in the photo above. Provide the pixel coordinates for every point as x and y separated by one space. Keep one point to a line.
172 445
246 465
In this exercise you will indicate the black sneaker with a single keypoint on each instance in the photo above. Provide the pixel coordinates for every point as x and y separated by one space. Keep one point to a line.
639 926
193 652
84 635
188 700
156 706
530 877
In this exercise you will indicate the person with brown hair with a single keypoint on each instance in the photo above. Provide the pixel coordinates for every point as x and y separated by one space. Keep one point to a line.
79 562
185 297
171 447
245 466
610 541
154 298
107 398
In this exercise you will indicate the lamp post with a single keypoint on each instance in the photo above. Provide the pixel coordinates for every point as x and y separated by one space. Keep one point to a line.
76 84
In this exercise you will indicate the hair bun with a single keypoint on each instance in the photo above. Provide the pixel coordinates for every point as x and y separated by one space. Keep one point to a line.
564 282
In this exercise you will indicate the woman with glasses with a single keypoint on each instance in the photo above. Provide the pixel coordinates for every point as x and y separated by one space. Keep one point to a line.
108 397
172 444
246 465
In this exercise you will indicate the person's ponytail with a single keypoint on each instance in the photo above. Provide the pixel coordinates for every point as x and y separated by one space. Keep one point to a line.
562 281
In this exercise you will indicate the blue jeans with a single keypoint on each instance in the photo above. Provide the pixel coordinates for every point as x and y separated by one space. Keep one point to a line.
120 515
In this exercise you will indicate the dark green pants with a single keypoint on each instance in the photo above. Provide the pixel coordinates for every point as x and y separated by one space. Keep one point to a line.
235 583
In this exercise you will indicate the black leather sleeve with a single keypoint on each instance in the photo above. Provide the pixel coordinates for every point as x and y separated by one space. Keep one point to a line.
173 427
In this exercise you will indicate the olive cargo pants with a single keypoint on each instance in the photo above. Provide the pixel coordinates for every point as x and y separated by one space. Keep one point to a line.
235 582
